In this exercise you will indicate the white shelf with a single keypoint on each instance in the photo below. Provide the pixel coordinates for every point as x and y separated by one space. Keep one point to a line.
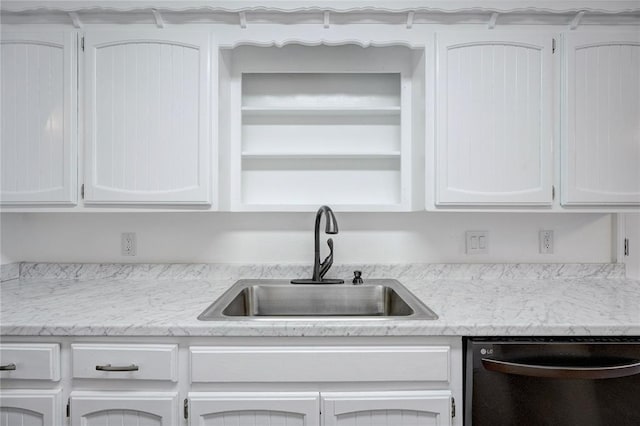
308 134
321 155
336 207
325 111
270 185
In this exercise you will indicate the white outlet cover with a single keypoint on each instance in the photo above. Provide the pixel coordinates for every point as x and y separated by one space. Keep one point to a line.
545 239
128 244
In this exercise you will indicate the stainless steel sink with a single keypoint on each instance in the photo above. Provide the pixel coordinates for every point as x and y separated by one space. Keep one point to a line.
279 299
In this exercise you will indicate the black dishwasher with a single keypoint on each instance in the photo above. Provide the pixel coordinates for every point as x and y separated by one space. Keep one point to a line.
552 381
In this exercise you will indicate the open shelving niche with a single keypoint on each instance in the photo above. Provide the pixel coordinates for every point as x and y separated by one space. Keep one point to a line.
321 125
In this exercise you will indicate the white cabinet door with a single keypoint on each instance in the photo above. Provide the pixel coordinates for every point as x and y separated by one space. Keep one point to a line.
124 408
601 119
30 407
147 103
254 408
494 129
412 408
37 120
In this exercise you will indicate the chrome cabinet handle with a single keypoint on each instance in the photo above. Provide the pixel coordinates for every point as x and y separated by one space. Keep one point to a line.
563 370
8 367
109 367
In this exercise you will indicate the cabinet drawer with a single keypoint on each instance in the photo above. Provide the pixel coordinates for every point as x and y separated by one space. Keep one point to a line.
138 362
320 364
30 361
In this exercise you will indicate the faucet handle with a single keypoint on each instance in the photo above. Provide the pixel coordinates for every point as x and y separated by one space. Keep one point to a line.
328 261
357 277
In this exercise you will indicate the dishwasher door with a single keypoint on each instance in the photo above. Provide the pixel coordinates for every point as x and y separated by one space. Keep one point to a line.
552 381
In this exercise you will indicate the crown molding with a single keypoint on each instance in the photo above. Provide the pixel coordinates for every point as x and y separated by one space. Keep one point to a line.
337 6
327 13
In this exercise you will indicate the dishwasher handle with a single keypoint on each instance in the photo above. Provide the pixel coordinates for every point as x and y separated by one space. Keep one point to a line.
562 370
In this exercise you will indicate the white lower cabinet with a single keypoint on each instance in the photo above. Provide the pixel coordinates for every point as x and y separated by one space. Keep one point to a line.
297 383
124 408
255 408
30 407
20 365
390 408
30 361
361 381
131 367
411 408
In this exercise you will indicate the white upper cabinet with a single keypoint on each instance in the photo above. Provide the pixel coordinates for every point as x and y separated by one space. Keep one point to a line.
601 113
147 118
37 120
321 125
494 118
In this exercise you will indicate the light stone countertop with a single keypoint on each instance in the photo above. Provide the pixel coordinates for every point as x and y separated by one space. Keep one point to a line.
497 300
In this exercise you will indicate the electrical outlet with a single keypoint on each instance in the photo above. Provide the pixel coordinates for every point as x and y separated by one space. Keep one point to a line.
545 239
128 243
477 242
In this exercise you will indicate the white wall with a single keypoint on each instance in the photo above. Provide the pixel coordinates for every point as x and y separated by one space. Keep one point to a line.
288 237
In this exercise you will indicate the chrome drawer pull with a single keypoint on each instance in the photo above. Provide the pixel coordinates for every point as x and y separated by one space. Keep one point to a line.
109 367
8 367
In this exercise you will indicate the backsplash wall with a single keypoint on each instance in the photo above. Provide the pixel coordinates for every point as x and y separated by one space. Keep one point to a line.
632 227
288 237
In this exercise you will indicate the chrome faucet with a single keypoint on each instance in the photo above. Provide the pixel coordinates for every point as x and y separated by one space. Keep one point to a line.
320 269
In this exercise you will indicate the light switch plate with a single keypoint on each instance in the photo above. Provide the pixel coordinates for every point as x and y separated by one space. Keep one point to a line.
477 242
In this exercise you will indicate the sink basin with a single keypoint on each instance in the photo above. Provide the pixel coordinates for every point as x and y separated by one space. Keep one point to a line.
278 299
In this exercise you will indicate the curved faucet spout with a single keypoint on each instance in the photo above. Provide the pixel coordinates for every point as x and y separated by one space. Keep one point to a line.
331 226
320 269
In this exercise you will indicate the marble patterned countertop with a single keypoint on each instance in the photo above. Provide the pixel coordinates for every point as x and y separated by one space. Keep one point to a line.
470 300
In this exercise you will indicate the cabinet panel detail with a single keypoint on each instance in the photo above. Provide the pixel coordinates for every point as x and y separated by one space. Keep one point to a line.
37 102
252 418
30 407
122 417
377 417
494 134
415 408
331 364
255 408
124 408
18 416
601 140
148 118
